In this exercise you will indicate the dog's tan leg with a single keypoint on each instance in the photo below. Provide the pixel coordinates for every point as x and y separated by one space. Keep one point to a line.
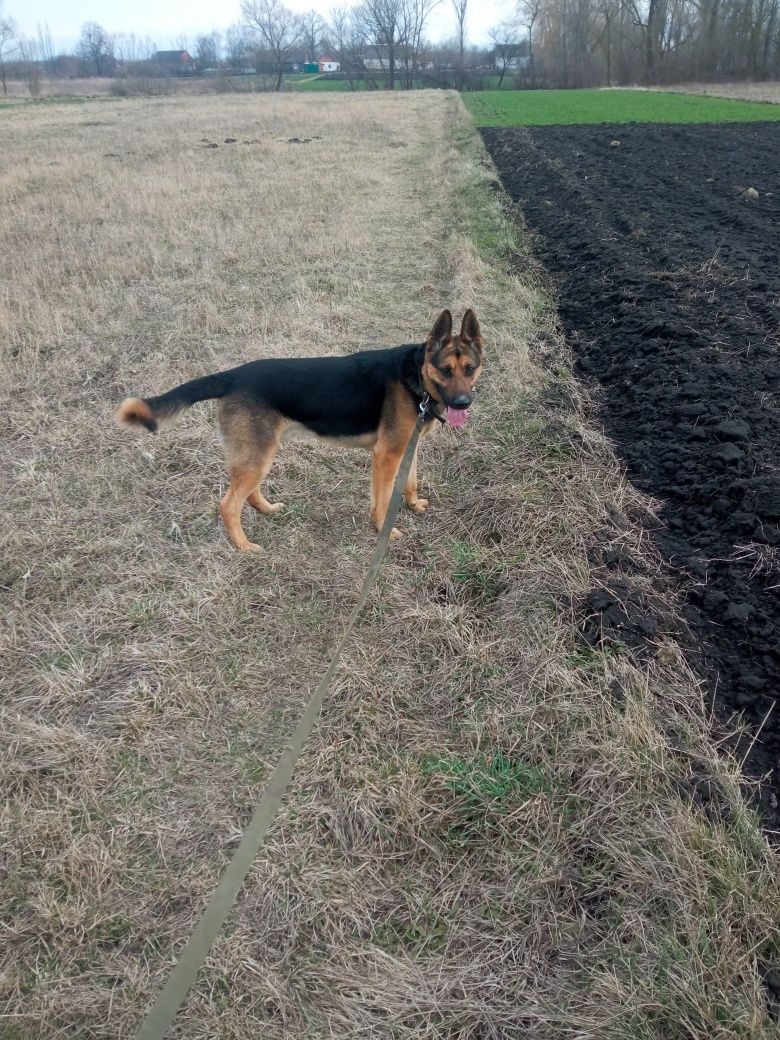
417 505
243 482
383 474
251 438
257 499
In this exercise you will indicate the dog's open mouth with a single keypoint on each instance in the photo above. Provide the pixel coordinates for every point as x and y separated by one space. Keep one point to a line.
457 416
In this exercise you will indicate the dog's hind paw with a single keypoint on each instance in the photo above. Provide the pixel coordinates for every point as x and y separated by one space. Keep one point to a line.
395 534
419 505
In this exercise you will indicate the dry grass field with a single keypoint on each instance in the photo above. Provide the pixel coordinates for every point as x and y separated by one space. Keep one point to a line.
95 86
51 88
767 91
495 832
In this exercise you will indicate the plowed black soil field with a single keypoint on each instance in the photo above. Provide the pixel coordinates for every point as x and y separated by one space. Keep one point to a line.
669 283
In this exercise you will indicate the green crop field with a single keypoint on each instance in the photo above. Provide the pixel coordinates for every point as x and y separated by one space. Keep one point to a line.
315 82
548 107
318 83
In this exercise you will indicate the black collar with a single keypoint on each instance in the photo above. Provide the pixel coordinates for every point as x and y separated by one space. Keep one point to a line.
422 398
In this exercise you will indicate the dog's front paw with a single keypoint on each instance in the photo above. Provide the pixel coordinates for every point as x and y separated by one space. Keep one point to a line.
418 505
249 547
395 534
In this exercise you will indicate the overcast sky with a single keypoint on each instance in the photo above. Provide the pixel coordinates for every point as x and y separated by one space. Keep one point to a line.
166 20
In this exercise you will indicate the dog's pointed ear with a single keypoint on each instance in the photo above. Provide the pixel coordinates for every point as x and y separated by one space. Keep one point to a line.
469 329
441 331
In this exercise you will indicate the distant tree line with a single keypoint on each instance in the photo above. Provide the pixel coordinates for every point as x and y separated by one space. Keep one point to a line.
382 44
579 43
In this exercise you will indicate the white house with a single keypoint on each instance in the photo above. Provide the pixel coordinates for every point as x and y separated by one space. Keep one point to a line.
328 65
378 59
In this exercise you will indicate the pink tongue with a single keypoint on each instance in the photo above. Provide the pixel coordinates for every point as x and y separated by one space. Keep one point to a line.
457 416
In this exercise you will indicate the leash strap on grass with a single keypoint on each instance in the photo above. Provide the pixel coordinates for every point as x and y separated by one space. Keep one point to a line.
165 1008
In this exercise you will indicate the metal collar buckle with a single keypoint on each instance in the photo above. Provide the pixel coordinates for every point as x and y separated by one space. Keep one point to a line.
427 411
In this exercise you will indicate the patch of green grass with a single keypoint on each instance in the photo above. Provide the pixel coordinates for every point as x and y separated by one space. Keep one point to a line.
482 784
589 659
327 81
140 612
572 107
518 426
316 83
297 511
253 771
60 660
488 236
59 568
426 933
113 930
475 573
479 211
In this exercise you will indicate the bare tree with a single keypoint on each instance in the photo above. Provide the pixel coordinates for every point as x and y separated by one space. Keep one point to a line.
131 49
32 65
278 27
207 51
346 34
770 33
45 47
608 13
528 12
664 27
340 27
460 9
313 26
236 46
508 40
7 36
382 22
414 15
96 47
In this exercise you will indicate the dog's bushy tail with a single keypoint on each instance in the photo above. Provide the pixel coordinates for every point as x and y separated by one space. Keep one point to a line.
154 412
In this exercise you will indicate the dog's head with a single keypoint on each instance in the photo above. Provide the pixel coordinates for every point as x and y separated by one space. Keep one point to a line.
452 364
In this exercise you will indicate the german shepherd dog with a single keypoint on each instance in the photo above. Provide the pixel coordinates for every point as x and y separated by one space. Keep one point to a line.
369 400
